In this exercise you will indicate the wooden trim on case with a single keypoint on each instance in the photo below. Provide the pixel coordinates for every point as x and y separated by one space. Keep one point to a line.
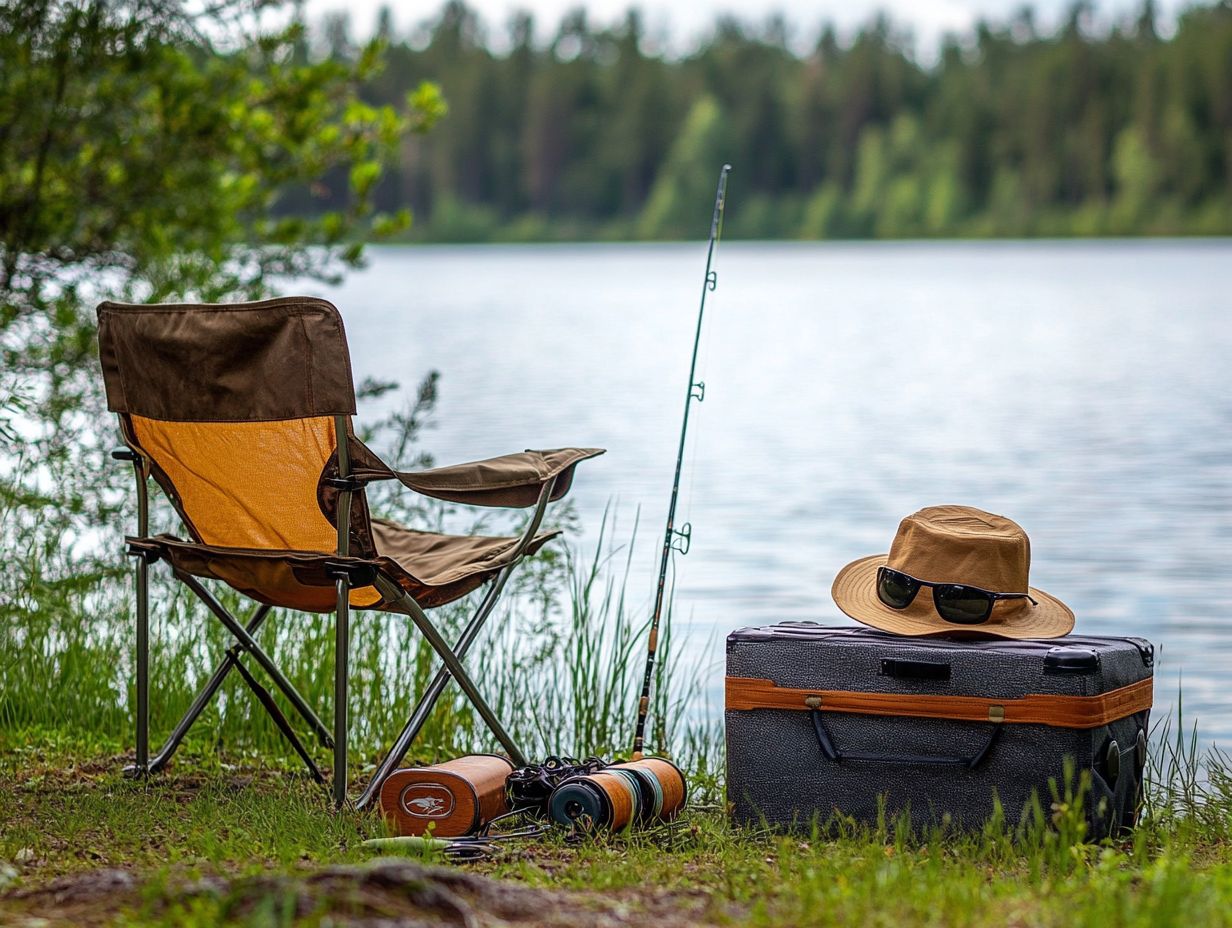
1034 709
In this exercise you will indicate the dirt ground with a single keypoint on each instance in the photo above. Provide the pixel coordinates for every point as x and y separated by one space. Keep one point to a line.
390 892
80 846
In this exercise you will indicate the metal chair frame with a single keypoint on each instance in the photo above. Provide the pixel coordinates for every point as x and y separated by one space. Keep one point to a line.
246 645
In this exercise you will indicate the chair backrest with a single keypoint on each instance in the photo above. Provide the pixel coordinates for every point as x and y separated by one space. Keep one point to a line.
234 405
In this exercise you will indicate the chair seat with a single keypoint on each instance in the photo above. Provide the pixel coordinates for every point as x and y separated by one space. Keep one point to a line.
437 569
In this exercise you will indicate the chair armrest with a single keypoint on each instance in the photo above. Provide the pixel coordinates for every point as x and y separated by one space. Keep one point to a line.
321 568
124 454
511 480
295 579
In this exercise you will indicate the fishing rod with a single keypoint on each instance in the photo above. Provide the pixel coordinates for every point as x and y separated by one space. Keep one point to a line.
673 539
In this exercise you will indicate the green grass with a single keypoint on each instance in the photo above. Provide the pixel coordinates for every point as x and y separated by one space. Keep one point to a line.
227 836
234 833
560 661
266 831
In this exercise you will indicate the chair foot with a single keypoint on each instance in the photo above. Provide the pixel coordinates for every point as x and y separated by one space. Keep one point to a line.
136 772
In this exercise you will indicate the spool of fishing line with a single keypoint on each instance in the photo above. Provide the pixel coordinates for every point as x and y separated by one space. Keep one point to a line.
642 792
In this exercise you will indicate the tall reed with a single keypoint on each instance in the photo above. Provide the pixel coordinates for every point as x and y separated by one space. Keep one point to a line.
558 660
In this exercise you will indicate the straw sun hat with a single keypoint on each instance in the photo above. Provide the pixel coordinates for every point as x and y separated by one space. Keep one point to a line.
957 547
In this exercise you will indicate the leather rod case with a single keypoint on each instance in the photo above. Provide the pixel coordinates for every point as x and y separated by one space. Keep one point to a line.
449 800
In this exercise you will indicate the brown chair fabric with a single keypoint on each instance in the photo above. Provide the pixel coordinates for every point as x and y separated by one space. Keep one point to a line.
233 407
511 480
435 569
293 579
241 362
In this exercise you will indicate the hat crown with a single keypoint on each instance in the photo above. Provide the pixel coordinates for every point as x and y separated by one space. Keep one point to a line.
961 544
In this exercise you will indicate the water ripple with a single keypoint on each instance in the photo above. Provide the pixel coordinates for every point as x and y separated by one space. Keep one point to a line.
1080 388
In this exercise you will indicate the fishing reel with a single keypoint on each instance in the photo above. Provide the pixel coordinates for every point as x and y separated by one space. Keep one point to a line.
641 792
453 806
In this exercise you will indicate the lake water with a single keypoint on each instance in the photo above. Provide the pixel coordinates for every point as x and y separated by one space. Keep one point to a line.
1083 389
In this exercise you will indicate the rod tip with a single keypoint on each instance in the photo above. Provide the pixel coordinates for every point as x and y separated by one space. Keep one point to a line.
726 168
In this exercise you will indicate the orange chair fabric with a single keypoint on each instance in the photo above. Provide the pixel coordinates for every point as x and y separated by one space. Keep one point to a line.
247 484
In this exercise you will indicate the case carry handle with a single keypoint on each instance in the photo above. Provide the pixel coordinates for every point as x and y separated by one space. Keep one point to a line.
826 744
914 670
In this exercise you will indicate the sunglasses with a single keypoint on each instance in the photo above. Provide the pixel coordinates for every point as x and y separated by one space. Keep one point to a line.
954 602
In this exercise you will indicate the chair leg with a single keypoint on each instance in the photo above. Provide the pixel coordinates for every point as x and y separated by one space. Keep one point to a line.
342 653
392 592
142 766
431 695
250 645
229 663
264 697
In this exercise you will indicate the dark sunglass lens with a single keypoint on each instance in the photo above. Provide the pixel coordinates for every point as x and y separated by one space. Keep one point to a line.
961 605
894 589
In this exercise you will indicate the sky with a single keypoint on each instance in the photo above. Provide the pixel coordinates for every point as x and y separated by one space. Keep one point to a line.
685 23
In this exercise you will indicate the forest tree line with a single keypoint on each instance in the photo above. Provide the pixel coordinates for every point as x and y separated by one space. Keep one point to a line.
1011 132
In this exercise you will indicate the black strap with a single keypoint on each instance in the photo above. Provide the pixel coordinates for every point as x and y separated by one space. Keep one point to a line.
833 753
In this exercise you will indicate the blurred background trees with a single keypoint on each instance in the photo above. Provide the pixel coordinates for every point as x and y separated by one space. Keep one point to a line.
170 150
1010 132
167 150
144 148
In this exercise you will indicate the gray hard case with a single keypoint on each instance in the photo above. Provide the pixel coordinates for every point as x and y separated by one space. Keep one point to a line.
778 771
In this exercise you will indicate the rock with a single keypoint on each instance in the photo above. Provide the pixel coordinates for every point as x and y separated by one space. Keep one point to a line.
89 886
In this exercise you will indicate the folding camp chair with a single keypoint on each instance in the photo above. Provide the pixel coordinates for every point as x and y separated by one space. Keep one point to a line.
242 415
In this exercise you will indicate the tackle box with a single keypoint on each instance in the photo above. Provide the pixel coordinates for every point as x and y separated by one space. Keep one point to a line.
858 723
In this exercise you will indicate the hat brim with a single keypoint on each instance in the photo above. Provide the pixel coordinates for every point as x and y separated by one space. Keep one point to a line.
855 592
